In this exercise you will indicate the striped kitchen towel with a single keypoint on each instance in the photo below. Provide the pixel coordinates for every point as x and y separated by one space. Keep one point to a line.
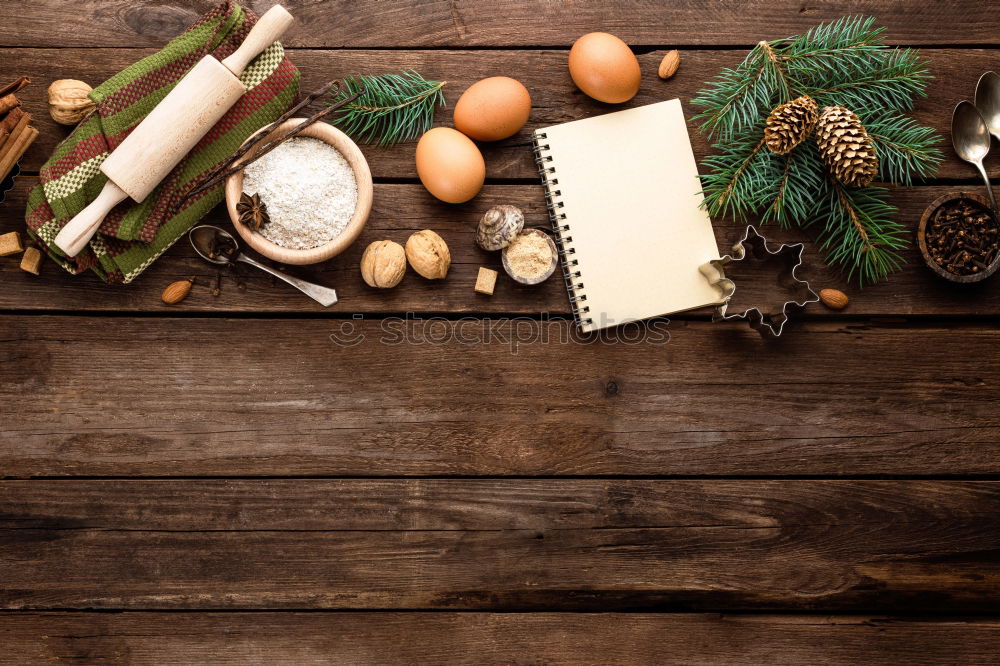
134 234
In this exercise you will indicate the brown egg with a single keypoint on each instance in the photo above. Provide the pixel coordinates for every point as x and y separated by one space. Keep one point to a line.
605 68
493 109
449 165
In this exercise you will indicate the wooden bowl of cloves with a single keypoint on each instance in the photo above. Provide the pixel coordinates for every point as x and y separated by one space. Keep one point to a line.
959 237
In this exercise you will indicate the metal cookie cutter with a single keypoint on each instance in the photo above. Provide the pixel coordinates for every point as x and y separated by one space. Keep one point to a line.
768 325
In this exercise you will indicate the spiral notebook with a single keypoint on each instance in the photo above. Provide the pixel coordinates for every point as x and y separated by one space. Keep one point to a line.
625 201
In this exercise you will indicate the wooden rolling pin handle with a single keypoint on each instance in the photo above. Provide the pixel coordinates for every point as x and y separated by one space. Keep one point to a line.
265 32
120 165
78 231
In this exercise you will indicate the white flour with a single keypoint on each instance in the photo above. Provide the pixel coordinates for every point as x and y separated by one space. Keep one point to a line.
309 190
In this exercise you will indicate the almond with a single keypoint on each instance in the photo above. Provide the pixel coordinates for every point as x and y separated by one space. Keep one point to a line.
177 291
833 298
669 64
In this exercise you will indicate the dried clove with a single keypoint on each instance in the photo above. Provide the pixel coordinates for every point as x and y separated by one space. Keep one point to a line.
963 237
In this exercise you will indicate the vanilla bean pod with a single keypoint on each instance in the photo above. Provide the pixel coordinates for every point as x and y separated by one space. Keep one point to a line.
256 143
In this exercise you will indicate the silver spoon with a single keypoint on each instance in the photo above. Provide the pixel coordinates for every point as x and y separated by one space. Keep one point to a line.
988 101
205 237
971 138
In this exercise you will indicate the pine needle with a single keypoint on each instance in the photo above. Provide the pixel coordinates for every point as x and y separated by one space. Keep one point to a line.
841 63
393 108
859 234
904 148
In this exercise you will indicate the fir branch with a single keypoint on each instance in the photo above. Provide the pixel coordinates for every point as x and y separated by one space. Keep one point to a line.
392 108
904 148
842 48
738 96
859 234
891 85
794 202
776 70
741 177
842 63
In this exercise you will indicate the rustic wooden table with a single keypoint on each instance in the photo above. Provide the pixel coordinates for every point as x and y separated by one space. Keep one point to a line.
222 482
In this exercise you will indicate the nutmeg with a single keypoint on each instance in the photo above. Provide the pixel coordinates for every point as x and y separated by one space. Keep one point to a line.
669 64
428 254
383 264
68 101
177 291
498 227
833 298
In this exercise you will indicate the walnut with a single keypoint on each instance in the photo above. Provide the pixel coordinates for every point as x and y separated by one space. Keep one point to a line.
383 264
68 101
428 254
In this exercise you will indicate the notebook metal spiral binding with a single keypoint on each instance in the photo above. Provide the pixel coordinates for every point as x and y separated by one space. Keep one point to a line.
561 229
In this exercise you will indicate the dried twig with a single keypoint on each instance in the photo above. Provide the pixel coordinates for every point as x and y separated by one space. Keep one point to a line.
259 147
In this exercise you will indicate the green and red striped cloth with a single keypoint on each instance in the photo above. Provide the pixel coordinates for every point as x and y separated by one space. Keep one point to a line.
135 234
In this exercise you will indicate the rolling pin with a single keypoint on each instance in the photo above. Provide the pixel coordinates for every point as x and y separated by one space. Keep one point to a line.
172 129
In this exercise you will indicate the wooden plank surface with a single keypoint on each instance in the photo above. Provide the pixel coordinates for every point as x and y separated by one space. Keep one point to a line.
501 545
187 393
507 638
485 505
122 396
401 209
544 72
417 23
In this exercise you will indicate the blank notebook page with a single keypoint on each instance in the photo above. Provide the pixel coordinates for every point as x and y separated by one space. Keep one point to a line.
628 185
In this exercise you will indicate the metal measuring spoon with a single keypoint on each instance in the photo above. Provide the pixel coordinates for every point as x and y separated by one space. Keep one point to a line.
988 101
970 136
210 242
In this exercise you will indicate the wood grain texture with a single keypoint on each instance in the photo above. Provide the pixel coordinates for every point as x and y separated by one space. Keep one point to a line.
401 209
483 505
192 396
279 397
544 72
416 23
501 545
488 638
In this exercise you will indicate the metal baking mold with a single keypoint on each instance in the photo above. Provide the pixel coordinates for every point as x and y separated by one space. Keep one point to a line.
8 183
768 325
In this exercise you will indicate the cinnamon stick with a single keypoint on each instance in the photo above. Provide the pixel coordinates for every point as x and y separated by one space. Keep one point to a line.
14 86
7 162
15 134
8 102
11 120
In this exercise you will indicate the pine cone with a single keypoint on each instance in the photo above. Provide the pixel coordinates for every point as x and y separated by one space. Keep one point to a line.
845 146
789 124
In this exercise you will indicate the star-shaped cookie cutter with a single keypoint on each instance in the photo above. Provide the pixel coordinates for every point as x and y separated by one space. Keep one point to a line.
768 325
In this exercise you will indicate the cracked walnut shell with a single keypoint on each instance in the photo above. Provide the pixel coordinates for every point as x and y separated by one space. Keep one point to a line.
383 264
428 254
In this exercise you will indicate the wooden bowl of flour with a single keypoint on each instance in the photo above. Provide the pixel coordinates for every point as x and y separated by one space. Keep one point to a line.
362 175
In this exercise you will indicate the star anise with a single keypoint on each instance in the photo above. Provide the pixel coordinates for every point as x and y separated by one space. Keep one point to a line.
252 211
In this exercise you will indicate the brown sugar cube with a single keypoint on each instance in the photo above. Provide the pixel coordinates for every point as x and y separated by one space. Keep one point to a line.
486 281
10 244
32 260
